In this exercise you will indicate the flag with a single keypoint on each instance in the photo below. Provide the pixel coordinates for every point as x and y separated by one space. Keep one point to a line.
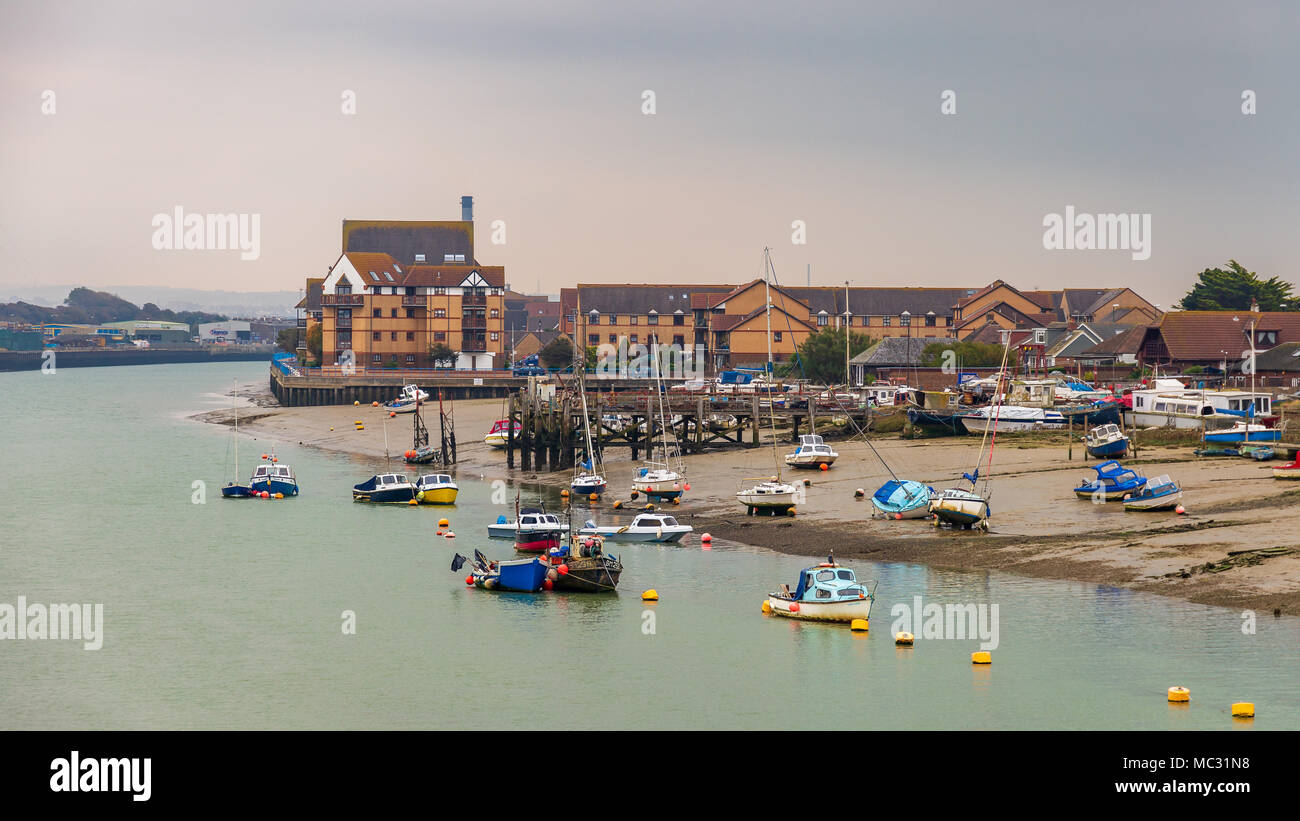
457 562
972 479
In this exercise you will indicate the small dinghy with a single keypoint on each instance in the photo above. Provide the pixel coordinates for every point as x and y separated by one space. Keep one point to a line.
409 399
384 489
1160 493
824 592
1106 442
1112 482
646 527
811 454
436 489
1260 453
902 499
518 575
1291 470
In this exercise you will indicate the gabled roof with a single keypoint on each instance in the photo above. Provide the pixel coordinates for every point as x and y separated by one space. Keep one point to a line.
1040 320
1285 357
1127 342
379 264
1205 335
453 276
897 351
776 309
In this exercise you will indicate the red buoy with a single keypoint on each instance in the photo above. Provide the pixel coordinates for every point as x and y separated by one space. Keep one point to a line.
794 608
469 580
564 569
548 584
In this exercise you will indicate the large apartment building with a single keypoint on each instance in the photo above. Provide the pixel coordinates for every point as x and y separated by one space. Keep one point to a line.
399 289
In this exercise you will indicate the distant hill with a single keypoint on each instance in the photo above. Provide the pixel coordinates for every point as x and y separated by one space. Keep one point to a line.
84 306
242 304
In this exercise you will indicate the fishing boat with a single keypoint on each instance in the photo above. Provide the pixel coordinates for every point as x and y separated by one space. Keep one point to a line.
902 499
1291 470
1106 442
812 453
584 567
537 531
1006 418
407 401
646 527
1244 432
505 529
1160 493
273 478
1112 482
436 489
232 490
385 489
824 592
517 575
497 437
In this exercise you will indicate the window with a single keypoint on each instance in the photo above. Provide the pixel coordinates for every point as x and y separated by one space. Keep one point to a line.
394 313
593 319
613 339
632 339
679 340
376 336
593 339
905 321
410 359
947 322
376 359
410 313
343 288
823 594
846 575
885 320
821 320
632 320
825 575
389 277
776 336
929 321
679 319
613 319
439 336
410 336
652 319
495 313
378 312
495 336
440 313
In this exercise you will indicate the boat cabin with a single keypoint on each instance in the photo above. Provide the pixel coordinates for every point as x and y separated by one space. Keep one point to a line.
653 520
434 479
537 520
826 583
390 480
272 472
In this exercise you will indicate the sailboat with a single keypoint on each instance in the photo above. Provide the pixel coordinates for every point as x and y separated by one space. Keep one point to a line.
965 508
587 478
769 494
659 480
232 490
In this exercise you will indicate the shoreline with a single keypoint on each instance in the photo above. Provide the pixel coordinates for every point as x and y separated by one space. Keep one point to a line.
1039 529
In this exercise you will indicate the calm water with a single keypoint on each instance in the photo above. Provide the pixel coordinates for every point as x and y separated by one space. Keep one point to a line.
227 614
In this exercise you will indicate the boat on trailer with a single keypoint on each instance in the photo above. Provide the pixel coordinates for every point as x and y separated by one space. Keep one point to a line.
1106 442
1112 482
1160 493
824 592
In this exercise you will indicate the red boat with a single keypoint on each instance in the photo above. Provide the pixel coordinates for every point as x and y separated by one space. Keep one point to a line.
537 531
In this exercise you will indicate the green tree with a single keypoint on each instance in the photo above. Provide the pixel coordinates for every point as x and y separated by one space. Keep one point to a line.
967 355
442 356
314 341
822 357
1233 288
287 339
558 353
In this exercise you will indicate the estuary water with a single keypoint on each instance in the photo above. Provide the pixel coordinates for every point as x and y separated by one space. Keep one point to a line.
229 613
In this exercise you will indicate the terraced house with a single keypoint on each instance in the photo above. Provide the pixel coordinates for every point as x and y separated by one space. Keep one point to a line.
401 288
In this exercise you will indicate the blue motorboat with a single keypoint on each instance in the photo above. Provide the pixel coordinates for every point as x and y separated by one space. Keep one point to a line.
902 499
385 489
824 592
1112 482
1106 442
273 478
1244 432
1160 493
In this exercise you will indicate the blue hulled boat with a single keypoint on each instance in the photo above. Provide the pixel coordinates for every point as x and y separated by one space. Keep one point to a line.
1112 482
902 499
385 489
1244 432
273 478
1106 442
518 575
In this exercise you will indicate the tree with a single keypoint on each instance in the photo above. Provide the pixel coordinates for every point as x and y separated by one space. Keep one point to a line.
1233 288
314 341
558 353
822 355
287 339
965 355
442 356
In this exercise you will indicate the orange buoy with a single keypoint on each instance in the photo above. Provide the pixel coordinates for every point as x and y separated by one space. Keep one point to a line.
469 580
374 404
450 535
686 486
825 466
706 538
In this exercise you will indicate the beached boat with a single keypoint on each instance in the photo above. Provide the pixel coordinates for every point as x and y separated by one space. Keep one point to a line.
497 437
436 489
1160 493
768 494
824 592
646 527
273 478
421 452
1106 442
811 454
587 475
1260 453
960 508
1291 470
406 402
1244 432
516 575
384 489
231 489
660 480
1112 482
1001 419
902 499
537 532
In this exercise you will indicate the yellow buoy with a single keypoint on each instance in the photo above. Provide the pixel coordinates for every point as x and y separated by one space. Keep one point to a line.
981 657
443 522
1178 695
791 511
858 625
618 504
419 495
412 502
331 428
564 493
676 501
279 495
650 595
904 639
1243 709
767 607
356 401
648 507
594 497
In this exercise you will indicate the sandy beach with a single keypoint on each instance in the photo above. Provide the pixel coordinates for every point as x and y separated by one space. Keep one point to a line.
1038 527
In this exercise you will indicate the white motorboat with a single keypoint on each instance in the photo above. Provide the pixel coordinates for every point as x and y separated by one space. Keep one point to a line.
812 453
995 419
646 527
824 592
408 400
769 494
503 529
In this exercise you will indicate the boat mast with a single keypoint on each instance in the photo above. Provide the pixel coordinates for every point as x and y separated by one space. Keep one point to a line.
771 408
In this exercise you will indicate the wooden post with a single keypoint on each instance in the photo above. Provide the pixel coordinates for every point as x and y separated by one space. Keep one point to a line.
753 421
699 424
510 433
1069 451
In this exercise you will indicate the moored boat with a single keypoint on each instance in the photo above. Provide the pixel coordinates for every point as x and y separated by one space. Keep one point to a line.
515 575
770 494
232 490
436 489
384 489
811 454
960 508
498 436
1244 432
582 566
273 478
409 399
658 482
504 529
646 527
1160 493
1001 419
1106 442
1291 470
902 499
537 532
824 592
1111 483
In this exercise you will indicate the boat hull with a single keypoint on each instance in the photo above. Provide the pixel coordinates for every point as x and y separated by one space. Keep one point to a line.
1110 450
783 500
903 499
1286 473
592 574
1270 435
495 440
274 486
963 509
979 426
520 576
809 462
835 611
638 536
659 490
235 492
389 496
437 496
1166 502
536 541
507 530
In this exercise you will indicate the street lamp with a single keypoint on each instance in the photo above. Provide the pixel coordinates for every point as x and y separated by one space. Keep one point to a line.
906 316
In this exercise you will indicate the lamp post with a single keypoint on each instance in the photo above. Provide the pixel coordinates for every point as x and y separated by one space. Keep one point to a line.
906 316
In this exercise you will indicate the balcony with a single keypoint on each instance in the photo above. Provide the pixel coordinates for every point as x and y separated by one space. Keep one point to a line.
476 321
473 343
409 301
340 299
475 300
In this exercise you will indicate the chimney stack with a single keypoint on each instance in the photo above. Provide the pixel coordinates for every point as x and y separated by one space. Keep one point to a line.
467 209
1254 306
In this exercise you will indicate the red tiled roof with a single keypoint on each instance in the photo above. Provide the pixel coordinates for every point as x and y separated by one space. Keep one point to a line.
450 276
1129 342
1204 335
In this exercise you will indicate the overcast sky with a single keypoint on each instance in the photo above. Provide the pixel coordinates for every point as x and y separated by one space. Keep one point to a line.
765 114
